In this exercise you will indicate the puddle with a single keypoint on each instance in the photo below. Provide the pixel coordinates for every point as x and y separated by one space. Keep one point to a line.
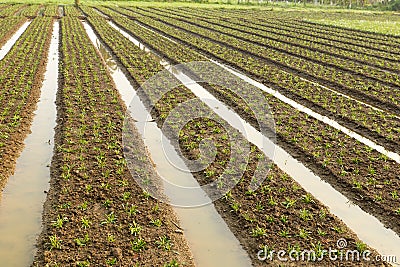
7 46
209 238
133 40
23 197
368 228
111 64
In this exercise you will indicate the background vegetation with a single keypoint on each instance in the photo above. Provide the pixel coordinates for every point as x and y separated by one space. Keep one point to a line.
384 5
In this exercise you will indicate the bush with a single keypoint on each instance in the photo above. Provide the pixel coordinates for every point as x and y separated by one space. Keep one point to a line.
394 5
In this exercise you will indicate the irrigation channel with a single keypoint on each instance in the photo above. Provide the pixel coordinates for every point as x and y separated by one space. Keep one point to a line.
22 200
7 46
392 155
210 240
368 228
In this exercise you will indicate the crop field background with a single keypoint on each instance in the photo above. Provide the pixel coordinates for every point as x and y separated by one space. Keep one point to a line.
325 83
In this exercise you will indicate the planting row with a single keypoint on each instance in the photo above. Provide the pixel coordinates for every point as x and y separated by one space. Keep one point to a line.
72 11
384 38
11 10
290 46
8 26
286 35
361 118
351 167
31 11
351 40
296 21
386 25
348 83
279 214
95 213
51 11
21 75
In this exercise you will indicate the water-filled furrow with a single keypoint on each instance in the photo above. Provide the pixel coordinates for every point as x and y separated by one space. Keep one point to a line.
22 200
10 43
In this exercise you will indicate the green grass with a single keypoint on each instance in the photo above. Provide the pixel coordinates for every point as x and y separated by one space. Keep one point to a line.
386 27
232 4
374 21
277 6
211 4
61 2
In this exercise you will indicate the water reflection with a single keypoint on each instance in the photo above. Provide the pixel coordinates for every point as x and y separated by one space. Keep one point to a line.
106 56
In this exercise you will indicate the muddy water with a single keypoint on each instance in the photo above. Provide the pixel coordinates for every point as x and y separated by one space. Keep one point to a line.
7 46
136 42
369 229
22 200
210 240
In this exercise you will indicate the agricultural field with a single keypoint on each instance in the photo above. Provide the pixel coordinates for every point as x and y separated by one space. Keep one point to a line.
136 86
